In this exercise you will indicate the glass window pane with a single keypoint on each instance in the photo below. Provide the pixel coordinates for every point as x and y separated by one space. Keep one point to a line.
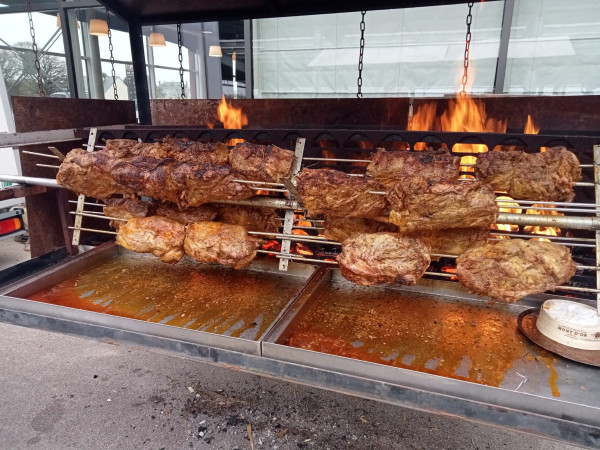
554 48
418 51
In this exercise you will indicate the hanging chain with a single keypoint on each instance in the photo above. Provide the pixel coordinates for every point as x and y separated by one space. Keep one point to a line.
465 76
34 47
112 58
180 61
359 81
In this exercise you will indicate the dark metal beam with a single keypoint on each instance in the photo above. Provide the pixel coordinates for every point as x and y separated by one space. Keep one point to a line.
50 6
507 17
155 13
142 93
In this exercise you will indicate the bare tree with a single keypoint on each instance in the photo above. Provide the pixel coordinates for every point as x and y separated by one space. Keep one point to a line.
21 79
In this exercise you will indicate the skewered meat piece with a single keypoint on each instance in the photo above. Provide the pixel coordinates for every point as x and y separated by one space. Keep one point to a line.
341 228
328 191
377 258
90 173
547 176
203 213
251 218
126 208
452 241
214 242
261 163
182 183
417 205
437 166
157 235
182 151
511 269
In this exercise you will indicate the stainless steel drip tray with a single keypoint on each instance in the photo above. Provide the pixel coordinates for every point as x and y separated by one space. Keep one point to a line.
453 344
112 288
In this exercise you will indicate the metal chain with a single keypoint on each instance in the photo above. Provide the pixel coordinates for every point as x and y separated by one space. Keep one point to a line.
180 61
34 47
359 81
112 58
465 76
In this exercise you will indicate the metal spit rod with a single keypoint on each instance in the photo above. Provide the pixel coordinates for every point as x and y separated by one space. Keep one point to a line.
583 166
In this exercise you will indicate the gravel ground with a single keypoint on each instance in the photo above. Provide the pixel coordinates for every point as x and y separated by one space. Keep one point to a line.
60 391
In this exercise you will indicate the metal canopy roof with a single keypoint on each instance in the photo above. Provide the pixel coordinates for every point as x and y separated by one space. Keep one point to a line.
173 11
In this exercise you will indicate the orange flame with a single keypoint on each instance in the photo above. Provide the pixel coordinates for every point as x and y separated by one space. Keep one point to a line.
543 231
232 118
530 127
303 250
507 207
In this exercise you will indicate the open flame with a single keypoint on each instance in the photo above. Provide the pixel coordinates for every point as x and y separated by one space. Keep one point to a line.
463 114
530 127
543 231
232 118
506 206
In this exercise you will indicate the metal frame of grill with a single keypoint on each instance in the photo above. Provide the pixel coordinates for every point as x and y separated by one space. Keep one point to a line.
528 411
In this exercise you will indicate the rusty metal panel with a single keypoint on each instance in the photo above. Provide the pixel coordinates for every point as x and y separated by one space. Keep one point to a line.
37 114
576 113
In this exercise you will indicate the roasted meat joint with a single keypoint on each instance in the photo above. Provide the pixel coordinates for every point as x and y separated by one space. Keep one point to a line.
408 209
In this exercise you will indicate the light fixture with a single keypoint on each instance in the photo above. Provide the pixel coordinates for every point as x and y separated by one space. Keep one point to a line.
98 27
215 50
157 40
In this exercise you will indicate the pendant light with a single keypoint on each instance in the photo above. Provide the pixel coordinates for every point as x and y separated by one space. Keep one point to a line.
157 40
215 50
98 27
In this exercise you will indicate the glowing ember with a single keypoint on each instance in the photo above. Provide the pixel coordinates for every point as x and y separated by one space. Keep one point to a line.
449 269
543 231
272 245
302 249
232 118
507 207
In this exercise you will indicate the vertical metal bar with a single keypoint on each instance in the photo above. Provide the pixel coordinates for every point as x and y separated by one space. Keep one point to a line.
136 41
507 17
81 197
597 190
62 199
249 76
69 54
289 214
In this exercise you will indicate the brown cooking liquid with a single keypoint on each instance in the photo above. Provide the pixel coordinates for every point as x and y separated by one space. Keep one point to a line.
213 299
413 331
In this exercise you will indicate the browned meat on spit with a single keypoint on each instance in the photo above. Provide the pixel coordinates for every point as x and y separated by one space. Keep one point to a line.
513 268
203 213
90 173
180 150
261 162
452 241
251 218
437 166
157 235
418 205
377 258
221 243
546 176
331 192
341 228
185 184
126 208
